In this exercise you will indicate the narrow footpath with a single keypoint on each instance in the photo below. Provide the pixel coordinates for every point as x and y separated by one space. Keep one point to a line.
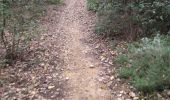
81 68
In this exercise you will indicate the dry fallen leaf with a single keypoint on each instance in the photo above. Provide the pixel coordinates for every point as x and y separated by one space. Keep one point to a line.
51 87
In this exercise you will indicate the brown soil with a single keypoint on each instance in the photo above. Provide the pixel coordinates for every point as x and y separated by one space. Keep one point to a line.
82 79
81 70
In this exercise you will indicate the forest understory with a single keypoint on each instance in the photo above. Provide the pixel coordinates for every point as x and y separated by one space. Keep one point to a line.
65 60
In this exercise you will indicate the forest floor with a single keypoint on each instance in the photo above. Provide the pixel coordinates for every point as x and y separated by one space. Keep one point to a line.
74 64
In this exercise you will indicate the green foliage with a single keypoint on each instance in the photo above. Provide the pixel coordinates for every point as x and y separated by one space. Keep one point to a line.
92 5
126 73
110 21
54 1
133 18
122 59
152 15
149 64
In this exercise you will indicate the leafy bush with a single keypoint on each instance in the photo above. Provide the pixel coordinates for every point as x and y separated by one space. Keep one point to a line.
149 64
152 15
110 21
93 5
133 18
54 1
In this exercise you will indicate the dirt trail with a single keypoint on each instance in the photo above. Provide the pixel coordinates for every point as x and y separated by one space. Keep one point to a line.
74 65
81 69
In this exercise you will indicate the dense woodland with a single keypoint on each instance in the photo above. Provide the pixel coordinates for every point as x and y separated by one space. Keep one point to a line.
143 60
145 25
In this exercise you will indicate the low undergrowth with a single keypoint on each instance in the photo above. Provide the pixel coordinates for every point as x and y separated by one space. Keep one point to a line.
131 18
146 64
18 26
92 5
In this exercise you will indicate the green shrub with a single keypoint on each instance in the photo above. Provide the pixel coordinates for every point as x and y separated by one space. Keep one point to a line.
133 18
125 73
121 59
54 1
152 15
109 21
149 64
92 5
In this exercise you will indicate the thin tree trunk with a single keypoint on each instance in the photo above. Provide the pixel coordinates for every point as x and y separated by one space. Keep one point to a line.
3 26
